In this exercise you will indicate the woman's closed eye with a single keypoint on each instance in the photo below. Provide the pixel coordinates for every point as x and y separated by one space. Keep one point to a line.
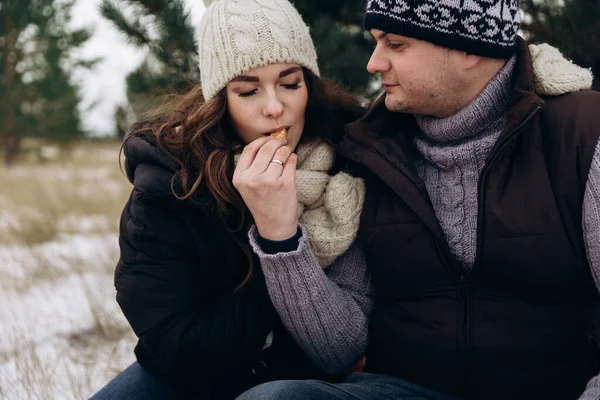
247 94
289 86
292 86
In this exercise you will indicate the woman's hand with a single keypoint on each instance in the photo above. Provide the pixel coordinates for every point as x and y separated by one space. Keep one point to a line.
268 187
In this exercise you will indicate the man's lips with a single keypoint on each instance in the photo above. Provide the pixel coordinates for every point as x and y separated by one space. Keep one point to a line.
387 86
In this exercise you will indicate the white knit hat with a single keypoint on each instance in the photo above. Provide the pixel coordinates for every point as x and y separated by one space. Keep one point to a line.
236 36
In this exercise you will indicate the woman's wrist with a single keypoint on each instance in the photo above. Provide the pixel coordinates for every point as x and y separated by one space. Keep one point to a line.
277 234
270 246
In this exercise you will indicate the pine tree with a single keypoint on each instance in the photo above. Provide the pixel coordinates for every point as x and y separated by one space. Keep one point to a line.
571 25
343 46
164 29
38 98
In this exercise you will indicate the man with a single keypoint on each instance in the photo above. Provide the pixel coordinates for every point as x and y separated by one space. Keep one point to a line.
481 225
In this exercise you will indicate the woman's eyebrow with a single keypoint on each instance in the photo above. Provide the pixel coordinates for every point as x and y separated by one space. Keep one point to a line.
289 71
250 78
245 78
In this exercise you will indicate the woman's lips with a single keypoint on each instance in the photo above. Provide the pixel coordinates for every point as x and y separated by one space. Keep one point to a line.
287 128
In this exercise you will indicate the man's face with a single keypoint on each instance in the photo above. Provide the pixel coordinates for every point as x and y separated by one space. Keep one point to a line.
418 77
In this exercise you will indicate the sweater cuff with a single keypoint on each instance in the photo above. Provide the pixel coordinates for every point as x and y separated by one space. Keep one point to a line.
279 246
300 247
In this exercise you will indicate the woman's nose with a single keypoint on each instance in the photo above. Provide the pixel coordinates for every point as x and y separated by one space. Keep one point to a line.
273 106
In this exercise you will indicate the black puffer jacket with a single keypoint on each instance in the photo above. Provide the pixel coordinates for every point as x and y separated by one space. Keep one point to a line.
175 280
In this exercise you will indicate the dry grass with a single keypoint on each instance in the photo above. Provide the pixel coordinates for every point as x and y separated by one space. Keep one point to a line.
83 181
62 334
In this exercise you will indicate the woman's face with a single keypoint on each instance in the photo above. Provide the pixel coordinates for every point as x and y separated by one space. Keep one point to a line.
266 99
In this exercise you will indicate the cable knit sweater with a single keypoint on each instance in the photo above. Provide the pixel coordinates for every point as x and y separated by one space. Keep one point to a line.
453 152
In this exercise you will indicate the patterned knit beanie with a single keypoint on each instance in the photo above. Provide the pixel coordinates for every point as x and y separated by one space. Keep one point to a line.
236 36
483 27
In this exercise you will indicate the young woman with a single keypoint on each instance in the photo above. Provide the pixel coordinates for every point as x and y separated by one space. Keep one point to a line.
237 258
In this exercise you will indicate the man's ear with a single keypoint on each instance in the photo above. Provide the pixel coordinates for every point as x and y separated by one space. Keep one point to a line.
470 61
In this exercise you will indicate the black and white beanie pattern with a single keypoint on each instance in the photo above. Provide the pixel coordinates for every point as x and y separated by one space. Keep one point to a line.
484 27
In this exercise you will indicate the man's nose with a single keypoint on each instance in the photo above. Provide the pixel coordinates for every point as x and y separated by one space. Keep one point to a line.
377 63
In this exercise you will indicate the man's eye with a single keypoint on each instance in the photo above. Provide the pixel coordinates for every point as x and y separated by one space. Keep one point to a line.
395 46
247 94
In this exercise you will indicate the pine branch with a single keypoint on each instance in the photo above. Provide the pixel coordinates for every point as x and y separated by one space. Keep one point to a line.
134 31
139 80
78 37
154 7
167 53
177 26
88 63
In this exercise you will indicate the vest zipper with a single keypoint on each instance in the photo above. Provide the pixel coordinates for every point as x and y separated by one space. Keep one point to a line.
466 276
481 184
463 298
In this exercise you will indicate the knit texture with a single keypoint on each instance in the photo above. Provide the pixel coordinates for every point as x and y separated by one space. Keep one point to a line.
592 390
484 27
591 236
554 74
329 207
326 311
591 217
235 36
450 165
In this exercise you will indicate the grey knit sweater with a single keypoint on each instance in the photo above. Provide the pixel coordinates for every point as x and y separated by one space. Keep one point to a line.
325 310
453 152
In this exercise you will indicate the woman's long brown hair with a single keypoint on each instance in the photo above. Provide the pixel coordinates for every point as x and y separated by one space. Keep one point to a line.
198 136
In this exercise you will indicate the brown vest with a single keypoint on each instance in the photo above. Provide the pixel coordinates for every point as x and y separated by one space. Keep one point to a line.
515 326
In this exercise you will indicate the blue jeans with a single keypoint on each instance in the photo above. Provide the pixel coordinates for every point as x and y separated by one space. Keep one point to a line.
358 386
137 383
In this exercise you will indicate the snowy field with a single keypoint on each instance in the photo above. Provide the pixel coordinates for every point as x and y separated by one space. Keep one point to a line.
62 335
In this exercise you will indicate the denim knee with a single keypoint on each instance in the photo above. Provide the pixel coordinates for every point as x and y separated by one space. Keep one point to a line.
289 389
132 384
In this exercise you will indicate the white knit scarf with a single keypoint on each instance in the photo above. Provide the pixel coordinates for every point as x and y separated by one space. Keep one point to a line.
329 207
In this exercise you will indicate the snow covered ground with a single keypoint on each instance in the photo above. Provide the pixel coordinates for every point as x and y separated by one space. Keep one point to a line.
62 335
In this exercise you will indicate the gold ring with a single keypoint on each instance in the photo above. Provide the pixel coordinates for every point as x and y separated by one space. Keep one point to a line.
278 162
